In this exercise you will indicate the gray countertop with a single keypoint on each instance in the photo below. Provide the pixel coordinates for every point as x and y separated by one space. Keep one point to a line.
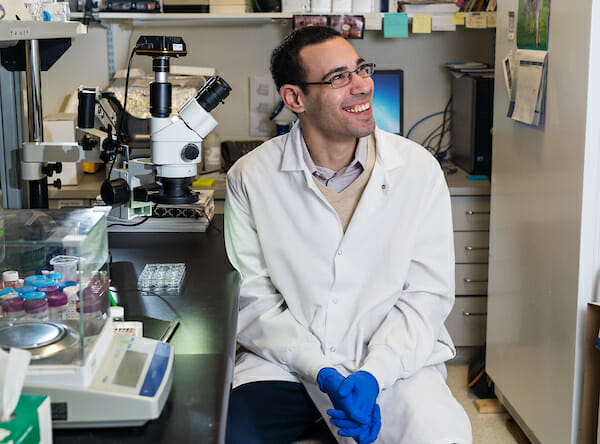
89 187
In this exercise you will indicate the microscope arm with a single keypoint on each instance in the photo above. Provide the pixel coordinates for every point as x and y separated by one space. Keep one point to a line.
59 152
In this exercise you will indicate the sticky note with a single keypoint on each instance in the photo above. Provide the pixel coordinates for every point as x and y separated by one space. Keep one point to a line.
458 18
491 19
476 20
442 22
421 24
395 25
203 182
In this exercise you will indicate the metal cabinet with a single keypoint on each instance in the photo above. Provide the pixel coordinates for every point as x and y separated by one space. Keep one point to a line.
471 219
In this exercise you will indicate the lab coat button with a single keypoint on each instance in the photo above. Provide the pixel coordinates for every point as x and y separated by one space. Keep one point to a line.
339 252
332 349
383 187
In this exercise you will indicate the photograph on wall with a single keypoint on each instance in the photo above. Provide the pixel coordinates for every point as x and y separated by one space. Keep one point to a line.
350 26
532 24
300 21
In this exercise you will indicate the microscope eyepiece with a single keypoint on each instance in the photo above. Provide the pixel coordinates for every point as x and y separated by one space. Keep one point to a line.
213 92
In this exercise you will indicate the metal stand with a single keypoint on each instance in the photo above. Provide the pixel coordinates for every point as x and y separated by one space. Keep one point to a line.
34 187
37 188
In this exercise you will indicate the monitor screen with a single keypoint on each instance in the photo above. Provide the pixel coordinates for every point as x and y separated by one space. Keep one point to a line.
388 100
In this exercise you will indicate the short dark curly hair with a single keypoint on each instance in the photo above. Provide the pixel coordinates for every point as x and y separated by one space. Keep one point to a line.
286 66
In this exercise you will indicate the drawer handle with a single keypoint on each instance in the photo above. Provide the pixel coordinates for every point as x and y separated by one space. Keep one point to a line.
472 212
471 281
469 248
468 313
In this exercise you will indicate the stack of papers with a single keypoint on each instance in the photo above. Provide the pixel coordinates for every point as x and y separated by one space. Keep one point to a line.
427 7
528 87
228 6
435 15
470 68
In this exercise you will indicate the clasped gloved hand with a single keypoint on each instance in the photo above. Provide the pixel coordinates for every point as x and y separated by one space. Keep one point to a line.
329 381
356 413
356 395
361 433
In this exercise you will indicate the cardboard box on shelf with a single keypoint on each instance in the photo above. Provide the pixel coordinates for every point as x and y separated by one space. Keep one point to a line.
60 127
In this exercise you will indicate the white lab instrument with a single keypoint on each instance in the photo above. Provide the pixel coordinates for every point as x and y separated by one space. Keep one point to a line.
125 382
94 377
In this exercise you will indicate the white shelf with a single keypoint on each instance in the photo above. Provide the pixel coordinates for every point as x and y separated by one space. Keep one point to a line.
158 17
372 20
15 30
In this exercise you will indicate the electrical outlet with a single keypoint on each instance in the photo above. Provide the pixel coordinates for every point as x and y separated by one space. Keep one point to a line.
19 33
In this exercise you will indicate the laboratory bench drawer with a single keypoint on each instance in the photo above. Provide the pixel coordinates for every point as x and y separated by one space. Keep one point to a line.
466 323
471 279
471 247
470 213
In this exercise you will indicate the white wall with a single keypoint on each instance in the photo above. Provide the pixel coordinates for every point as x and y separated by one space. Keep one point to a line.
239 51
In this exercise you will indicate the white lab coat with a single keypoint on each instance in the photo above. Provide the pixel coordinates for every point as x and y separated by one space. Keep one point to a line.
374 298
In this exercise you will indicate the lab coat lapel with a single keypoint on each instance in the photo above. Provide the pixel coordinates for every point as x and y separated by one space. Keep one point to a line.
389 157
378 189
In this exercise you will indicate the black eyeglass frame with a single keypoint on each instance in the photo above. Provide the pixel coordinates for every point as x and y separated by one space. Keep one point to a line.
346 74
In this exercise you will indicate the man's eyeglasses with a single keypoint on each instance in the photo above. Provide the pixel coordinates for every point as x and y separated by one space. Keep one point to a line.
344 78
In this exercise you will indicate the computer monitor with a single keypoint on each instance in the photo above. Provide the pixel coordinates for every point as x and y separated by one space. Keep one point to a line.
388 100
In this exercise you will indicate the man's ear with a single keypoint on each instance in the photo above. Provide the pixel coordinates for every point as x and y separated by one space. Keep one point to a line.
292 97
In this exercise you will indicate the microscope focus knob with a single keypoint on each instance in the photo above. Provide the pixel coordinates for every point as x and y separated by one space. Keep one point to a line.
191 151
88 143
115 192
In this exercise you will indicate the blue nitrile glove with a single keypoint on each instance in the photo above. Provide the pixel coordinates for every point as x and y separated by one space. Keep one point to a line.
329 381
361 433
356 396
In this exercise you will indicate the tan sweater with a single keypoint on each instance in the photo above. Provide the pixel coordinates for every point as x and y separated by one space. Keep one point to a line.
345 201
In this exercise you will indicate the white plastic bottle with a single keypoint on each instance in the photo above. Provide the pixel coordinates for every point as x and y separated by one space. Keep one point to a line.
72 293
10 278
58 304
13 309
36 309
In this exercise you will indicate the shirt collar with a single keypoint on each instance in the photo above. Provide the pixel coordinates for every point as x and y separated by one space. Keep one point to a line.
360 159
391 152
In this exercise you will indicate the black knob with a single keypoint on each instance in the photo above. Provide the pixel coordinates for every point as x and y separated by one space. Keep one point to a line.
87 143
51 168
115 192
191 151
57 184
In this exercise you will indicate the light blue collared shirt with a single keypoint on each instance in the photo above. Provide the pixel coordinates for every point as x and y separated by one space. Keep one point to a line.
338 180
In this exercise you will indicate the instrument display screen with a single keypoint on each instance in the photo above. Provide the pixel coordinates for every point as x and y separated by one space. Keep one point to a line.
130 369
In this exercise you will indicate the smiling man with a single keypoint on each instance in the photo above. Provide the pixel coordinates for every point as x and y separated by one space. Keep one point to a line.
342 234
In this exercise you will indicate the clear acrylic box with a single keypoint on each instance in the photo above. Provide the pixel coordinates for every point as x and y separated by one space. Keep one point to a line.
38 243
